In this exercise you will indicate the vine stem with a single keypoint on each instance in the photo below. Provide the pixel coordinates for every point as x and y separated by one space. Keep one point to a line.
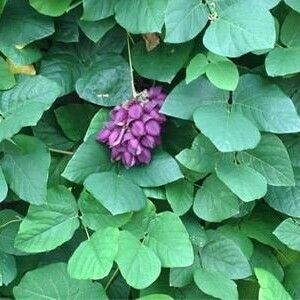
111 279
86 231
134 93
60 151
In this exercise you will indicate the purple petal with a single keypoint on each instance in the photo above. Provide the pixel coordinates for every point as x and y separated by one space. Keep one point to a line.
120 117
149 106
154 92
148 141
135 111
152 127
116 153
145 157
137 128
115 137
134 147
128 159
103 135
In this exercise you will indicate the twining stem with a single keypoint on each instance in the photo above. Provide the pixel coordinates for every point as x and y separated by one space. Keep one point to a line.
111 279
134 93
73 6
60 151
86 231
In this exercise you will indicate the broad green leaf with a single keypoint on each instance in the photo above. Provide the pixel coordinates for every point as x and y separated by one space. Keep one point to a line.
242 180
94 10
139 222
264 104
264 258
270 287
96 30
214 202
94 258
180 195
7 79
27 179
52 8
106 82
155 192
74 119
59 285
3 186
294 4
184 20
223 74
14 20
168 57
168 238
9 226
98 122
96 216
186 98
228 130
2 5
196 67
138 264
242 27
270 158
8 268
126 196
156 297
146 15
162 169
286 199
223 255
290 30
292 144
215 284
67 28
292 279
288 232
25 103
289 63
49 225
91 157
64 69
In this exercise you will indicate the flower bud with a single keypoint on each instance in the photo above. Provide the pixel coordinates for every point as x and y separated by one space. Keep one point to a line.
152 127
137 128
135 111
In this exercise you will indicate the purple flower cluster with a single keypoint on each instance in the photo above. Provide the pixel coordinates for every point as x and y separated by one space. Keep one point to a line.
135 128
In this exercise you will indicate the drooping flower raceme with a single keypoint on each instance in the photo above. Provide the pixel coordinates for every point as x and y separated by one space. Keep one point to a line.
135 128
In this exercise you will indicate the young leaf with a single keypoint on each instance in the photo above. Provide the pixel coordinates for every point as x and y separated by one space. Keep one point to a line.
49 225
196 67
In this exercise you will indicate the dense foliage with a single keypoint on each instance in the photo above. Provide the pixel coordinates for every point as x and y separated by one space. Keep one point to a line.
215 214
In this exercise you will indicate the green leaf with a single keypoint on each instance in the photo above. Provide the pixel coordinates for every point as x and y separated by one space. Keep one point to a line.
96 216
289 63
228 130
184 20
242 21
168 238
270 158
184 98
25 103
52 8
27 179
196 67
94 10
98 122
214 202
156 297
215 284
138 264
74 119
90 157
286 199
7 79
294 4
180 195
94 258
290 30
162 169
3 186
15 19
146 16
126 196
49 225
292 279
8 268
270 287
2 5
170 58
64 69
264 104
222 255
62 286
288 232
106 82
96 30
67 28
242 180
223 74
